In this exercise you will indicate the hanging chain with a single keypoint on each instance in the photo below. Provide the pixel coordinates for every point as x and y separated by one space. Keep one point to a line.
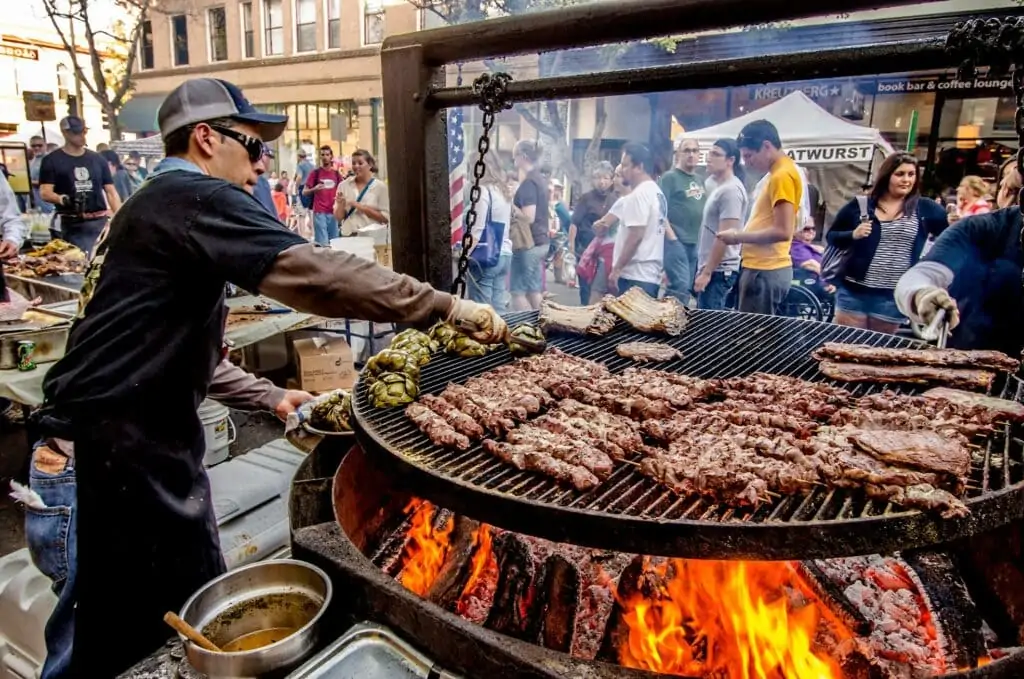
491 90
998 44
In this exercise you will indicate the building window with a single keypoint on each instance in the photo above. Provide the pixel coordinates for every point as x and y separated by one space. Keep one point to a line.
273 27
373 22
179 39
248 47
216 21
305 25
146 46
333 24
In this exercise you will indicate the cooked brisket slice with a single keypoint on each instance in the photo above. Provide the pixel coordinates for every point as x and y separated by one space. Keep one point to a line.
919 449
575 320
978 380
951 358
647 314
1002 409
642 352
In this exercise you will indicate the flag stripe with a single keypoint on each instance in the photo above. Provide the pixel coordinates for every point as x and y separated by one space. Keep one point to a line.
457 172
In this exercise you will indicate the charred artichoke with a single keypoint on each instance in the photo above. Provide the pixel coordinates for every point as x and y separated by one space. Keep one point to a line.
443 333
529 332
392 389
333 414
419 353
392 361
413 335
465 347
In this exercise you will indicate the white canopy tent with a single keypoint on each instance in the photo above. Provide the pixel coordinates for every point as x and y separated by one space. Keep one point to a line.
835 153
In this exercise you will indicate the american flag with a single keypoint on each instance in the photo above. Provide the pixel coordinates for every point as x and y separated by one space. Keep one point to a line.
456 171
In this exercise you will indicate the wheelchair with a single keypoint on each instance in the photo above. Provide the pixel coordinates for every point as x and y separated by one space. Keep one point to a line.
807 299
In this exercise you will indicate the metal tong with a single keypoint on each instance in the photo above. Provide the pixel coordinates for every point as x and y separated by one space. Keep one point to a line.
535 346
937 330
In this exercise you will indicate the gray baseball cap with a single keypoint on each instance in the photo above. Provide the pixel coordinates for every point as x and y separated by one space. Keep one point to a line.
202 99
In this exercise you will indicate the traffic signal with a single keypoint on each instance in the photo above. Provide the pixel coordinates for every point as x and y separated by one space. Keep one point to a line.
106 121
72 105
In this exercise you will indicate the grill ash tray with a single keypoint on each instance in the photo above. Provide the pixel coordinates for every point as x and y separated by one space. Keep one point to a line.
631 513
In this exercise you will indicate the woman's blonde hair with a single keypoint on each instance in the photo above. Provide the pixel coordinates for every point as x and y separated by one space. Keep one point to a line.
494 174
977 185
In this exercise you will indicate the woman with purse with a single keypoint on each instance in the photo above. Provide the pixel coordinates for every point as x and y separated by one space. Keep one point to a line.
879 242
362 200
491 256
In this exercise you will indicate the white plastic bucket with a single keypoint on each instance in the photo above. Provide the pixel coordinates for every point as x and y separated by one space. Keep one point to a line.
218 430
359 246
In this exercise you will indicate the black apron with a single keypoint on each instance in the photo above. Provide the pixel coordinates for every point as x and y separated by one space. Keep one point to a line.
147 535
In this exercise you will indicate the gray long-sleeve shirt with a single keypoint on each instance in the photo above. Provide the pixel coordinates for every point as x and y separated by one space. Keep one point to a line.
921 275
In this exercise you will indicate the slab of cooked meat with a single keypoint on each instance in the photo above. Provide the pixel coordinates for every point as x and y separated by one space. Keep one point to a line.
647 314
978 380
522 457
575 320
642 352
436 427
951 358
1000 408
919 449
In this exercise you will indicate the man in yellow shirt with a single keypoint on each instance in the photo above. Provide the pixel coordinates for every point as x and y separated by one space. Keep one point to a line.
767 268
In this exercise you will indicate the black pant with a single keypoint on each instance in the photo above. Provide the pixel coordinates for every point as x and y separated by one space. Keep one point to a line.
147 538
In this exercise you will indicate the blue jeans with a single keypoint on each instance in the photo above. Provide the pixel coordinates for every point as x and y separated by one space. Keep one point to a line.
867 303
680 269
325 227
528 270
717 290
490 285
52 542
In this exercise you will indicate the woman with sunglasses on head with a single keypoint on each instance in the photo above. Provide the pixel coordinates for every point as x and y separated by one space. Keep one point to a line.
882 244
362 201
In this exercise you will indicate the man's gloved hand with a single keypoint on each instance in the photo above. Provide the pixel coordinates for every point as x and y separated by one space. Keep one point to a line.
928 301
479 321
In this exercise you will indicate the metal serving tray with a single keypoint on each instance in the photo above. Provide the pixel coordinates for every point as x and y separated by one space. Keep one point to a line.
370 651
48 329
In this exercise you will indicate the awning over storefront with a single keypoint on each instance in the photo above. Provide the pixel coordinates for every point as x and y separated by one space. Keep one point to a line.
139 114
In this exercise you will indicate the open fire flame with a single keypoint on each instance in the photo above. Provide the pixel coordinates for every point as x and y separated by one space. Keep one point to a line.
723 619
427 548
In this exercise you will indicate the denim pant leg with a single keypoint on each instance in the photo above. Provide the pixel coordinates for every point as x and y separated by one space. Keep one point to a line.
51 536
499 283
690 251
325 227
680 282
717 290
479 283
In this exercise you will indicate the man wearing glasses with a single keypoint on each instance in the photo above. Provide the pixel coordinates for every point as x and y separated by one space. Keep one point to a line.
684 189
142 354
37 147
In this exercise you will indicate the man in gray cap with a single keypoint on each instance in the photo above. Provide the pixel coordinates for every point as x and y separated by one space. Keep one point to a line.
141 355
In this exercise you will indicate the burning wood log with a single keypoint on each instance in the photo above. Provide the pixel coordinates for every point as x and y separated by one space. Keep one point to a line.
597 601
833 597
514 594
638 578
426 546
447 588
561 594
388 555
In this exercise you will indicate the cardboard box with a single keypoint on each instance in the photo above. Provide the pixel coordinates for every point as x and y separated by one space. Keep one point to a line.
324 364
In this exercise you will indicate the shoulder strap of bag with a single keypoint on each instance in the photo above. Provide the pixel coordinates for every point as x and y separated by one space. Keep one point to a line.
359 198
862 201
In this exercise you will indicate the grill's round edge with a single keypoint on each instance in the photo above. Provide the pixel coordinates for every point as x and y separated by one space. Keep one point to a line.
689 538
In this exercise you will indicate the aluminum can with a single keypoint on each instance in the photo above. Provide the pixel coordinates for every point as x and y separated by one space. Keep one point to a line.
26 350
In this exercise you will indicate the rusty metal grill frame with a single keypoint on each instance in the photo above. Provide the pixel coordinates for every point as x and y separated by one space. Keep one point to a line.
632 513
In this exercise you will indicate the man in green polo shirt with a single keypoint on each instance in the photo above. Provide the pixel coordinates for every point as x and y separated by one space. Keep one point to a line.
684 189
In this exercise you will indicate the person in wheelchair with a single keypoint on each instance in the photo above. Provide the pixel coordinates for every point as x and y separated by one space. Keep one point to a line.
806 257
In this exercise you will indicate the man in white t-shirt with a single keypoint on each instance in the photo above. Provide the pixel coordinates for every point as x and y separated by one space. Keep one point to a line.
643 215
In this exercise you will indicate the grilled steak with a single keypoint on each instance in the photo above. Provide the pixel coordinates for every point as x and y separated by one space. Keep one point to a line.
1000 408
919 449
647 314
641 352
950 358
978 380
575 320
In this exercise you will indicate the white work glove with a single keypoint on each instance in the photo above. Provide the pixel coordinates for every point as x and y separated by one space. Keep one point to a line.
929 300
480 321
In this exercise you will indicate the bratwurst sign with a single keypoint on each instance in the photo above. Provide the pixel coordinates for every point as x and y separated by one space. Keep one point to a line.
820 155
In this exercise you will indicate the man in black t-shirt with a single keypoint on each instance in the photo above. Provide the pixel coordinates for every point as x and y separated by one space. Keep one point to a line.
79 183
142 353
527 279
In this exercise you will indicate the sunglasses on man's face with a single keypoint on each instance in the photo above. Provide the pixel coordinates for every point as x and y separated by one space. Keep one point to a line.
253 146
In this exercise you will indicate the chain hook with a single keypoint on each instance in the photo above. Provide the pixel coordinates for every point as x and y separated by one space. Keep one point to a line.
491 90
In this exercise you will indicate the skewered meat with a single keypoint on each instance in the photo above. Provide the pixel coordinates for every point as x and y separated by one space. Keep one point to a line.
647 314
575 320
1000 408
921 496
435 426
521 457
460 421
574 451
951 358
978 380
642 352
920 449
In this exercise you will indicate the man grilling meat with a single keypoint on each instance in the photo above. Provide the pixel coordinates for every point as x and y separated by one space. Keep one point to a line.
142 353
973 272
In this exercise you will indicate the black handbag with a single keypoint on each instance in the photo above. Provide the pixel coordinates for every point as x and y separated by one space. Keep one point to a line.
833 262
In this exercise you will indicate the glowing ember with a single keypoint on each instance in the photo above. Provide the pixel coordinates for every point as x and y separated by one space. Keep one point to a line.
724 618
426 549
482 556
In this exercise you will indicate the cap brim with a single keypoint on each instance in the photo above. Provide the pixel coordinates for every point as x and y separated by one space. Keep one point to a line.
271 125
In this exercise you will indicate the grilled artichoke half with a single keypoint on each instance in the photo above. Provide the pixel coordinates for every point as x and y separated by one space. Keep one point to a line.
334 414
465 347
530 332
420 353
414 335
443 333
392 389
392 361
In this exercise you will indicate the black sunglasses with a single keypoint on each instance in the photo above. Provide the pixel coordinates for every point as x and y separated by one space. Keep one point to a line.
253 146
